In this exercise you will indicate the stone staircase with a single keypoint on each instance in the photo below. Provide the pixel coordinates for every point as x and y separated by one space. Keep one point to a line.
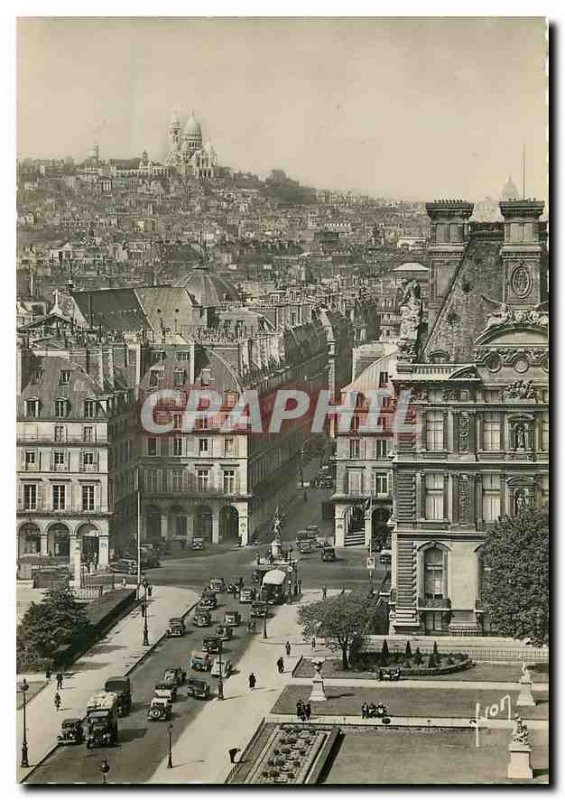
406 588
355 539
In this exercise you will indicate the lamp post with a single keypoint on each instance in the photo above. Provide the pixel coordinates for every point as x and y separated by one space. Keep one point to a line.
220 677
170 753
24 686
145 584
265 624
104 769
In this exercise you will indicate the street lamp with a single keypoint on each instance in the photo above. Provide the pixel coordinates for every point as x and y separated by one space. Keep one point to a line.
104 769
170 754
265 624
220 677
145 584
24 686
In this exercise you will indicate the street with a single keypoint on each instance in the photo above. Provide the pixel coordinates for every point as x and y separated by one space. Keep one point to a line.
143 744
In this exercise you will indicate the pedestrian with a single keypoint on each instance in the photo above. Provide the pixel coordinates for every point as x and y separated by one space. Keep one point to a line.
239 541
324 592
233 751
308 710
57 701
59 677
342 590
305 497
280 664
124 583
299 587
287 649
313 642
48 673
149 591
252 681
258 559
299 707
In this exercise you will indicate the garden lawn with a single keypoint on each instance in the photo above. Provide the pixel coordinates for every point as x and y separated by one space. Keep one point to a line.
435 756
405 701
500 673
34 688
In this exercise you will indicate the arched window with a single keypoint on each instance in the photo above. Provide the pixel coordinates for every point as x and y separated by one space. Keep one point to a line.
434 573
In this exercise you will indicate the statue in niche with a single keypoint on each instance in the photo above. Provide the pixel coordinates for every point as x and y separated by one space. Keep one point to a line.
520 501
463 433
520 436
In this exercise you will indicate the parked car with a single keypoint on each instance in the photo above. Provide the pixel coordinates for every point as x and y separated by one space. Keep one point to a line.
198 543
197 688
166 689
202 618
211 644
217 585
233 585
246 595
160 708
208 599
232 618
385 556
174 674
71 731
200 661
176 627
224 632
124 565
305 545
226 668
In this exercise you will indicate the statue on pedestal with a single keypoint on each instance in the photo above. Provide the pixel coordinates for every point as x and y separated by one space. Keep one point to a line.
318 693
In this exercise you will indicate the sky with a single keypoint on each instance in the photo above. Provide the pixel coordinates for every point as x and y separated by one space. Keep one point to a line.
416 108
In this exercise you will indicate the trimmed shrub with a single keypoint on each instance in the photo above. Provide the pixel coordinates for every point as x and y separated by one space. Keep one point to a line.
408 651
418 657
384 654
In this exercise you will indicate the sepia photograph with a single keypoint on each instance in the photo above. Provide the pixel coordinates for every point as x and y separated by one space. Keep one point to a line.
282 401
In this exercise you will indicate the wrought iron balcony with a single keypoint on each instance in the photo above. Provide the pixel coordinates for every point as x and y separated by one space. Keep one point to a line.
439 603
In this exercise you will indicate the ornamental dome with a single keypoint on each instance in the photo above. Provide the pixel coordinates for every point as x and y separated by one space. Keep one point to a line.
192 127
509 191
209 289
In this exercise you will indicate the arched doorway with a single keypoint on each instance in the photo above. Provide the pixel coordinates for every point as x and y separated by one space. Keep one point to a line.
354 519
203 522
229 524
29 540
177 525
153 521
58 540
89 543
379 528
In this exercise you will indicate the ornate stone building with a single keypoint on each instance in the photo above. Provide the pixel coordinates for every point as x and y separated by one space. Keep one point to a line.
187 152
479 386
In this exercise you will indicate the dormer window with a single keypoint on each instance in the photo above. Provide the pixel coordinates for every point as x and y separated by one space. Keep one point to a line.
64 377
61 408
32 408
90 409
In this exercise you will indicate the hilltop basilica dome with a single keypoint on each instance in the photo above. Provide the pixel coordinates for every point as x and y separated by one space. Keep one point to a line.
509 191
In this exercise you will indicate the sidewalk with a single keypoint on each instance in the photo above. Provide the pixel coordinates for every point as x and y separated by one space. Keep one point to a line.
201 753
116 654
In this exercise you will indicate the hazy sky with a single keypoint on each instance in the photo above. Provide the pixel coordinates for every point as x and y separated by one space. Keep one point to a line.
420 108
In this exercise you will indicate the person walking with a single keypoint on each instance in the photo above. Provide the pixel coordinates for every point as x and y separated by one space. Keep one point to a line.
252 681
313 642
287 649
48 673
299 709
59 677
324 592
280 665
308 710
57 700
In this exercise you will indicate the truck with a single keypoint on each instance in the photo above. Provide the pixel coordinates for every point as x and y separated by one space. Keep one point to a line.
102 720
273 588
120 686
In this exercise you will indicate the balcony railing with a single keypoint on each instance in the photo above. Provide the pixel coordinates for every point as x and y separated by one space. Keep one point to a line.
440 603
190 484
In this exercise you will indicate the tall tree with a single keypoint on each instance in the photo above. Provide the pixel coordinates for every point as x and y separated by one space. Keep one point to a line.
341 621
515 589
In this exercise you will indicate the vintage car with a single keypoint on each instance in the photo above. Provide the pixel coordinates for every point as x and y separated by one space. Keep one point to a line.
160 708
385 556
200 661
305 545
328 554
258 609
322 540
202 618
224 632
217 585
198 543
208 599
232 618
175 675
197 688
71 731
233 585
121 686
176 627
225 665
314 530
211 644
166 689
246 595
